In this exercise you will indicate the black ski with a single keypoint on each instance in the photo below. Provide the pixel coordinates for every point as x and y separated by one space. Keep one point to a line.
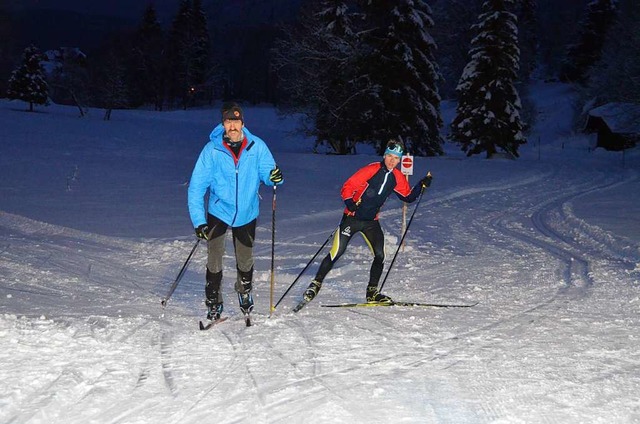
211 323
247 319
300 305
373 304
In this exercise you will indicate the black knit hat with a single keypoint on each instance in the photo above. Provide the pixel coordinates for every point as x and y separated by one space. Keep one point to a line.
232 110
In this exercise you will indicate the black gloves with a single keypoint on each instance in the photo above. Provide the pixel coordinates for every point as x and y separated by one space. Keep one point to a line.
276 175
351 205
426 181
203 231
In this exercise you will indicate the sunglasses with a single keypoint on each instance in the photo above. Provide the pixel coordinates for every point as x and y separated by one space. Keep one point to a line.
394 149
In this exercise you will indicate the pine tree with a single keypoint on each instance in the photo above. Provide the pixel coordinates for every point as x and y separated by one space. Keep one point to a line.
177 58
403 99
586 52
8 42
335 108
453 35
201 43
113 90
615 78
188 52
68 77
315 61
487 115
147 61
527 38
28 81
365 66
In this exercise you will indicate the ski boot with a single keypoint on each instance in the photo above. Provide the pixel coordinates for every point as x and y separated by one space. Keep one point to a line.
213 299
312 290
246 302
246 306
243 287
373 295
213 310
309 294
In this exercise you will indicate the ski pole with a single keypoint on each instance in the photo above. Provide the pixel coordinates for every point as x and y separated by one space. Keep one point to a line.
273 250
306 266
402 239
180 275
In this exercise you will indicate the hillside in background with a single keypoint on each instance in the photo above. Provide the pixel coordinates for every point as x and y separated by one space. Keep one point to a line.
94 230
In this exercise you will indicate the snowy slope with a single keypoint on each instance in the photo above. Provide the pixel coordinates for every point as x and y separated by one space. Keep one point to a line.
94 229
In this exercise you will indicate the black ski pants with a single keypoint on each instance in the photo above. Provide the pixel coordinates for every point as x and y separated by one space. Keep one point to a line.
373 236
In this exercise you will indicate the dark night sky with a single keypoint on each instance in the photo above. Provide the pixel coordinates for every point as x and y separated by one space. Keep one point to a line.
132 9
85 23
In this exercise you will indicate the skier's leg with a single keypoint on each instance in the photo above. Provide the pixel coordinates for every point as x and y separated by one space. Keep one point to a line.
374 237
341 239
215 252
243 241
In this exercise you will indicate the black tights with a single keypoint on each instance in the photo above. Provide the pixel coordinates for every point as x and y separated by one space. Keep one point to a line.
373 236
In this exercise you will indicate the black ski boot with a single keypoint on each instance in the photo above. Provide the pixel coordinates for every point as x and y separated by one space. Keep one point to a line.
243 287
312 290
213 299
246 302
213 310
373 295
309 294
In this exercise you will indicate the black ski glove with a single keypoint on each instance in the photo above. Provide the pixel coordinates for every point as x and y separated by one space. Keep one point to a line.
351 205
276 175
202 231
426 181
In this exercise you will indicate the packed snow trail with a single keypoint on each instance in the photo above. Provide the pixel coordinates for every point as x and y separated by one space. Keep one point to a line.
552 339
85 340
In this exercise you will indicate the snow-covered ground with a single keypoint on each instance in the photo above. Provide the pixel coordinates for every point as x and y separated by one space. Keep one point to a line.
94 229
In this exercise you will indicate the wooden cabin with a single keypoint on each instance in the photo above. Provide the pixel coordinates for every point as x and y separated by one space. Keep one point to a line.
617 125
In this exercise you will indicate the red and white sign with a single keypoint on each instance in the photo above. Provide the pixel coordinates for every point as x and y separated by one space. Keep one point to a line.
407 165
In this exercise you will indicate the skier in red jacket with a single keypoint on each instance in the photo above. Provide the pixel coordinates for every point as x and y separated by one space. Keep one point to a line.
364 193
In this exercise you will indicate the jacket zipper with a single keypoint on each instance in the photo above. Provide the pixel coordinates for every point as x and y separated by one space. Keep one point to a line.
235 215
386 176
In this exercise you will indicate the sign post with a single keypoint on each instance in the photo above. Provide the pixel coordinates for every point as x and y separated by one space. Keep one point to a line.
406 166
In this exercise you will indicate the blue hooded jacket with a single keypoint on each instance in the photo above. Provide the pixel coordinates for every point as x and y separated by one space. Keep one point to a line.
233 188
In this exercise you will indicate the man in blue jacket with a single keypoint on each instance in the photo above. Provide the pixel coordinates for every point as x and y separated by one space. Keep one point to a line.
230 168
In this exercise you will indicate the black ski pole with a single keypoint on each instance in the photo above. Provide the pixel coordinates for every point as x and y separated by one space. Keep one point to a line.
180 274
402 239
273 250
306 266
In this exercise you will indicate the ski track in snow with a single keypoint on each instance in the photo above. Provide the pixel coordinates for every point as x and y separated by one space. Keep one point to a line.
319 365
85 340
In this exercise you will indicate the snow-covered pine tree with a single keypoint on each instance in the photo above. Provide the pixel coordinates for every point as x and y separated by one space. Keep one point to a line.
600 15
487 116
453 35
27 81
403 98
315 61
336 105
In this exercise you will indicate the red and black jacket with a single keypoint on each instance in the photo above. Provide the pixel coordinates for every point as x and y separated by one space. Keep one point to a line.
372 185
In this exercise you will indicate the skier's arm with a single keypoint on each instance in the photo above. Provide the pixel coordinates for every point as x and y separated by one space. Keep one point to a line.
417 189
356 184
198 185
